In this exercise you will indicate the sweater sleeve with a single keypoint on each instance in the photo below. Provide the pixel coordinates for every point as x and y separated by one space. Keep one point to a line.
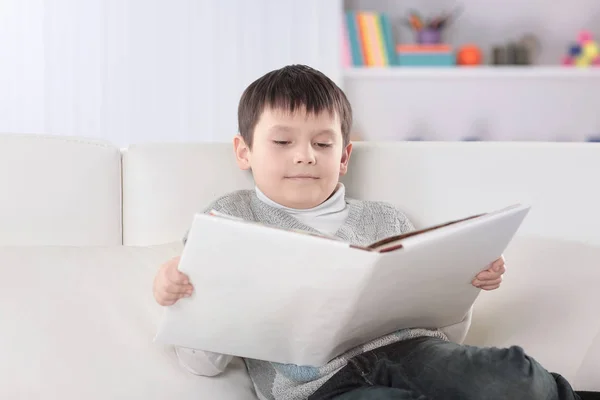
404 224
203 363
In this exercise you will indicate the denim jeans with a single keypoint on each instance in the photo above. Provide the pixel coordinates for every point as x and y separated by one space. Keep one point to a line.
431 369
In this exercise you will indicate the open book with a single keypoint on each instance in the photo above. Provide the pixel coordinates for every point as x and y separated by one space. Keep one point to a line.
298 298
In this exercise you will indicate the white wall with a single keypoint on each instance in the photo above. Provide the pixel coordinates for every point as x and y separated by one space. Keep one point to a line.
21 65
150 70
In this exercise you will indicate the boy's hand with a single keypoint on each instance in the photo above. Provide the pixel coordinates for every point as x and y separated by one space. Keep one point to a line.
170 284
491 278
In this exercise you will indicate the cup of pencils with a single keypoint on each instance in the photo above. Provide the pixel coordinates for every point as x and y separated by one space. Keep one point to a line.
429 31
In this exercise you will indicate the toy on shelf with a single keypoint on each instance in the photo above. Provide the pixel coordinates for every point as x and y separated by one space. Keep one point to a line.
429 32
469 55
429 49
521 52
584 53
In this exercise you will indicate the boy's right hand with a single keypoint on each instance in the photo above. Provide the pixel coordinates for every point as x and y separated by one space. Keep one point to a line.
170 284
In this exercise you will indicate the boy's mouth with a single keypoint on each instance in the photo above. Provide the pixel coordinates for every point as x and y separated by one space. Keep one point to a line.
300 177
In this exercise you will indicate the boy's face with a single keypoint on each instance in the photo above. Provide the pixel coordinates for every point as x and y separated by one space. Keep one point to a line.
296 159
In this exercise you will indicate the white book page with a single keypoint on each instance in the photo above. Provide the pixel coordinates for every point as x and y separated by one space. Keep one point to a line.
427 283
264 293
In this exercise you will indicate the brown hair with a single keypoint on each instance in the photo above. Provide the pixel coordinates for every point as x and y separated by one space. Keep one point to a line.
290 88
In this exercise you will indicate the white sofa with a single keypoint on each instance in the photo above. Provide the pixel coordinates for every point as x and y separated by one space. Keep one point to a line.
84 225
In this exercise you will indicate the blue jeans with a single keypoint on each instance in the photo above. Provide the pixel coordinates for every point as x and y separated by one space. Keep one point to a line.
431 369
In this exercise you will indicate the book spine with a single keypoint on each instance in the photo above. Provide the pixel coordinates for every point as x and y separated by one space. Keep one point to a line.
373 40
380 35
356 48
390 43
346 53
363 29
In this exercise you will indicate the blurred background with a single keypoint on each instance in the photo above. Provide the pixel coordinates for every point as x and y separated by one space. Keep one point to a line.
132 71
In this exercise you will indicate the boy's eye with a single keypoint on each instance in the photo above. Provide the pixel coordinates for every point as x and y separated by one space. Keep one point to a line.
323 145
281 142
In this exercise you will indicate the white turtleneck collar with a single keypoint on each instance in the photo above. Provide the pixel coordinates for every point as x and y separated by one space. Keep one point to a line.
327 217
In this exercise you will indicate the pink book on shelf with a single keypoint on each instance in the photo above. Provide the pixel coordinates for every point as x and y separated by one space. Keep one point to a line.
346 58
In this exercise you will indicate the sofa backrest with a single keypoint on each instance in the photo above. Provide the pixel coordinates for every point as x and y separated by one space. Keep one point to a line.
165 184
68 191
432 182
59 191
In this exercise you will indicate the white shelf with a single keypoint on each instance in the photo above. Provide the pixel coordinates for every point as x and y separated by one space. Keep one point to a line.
472 72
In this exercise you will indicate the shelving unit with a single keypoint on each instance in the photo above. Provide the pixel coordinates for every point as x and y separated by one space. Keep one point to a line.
540 102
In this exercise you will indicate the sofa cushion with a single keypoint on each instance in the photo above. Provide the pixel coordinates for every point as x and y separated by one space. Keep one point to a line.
59 190
548 304
79 323
588 375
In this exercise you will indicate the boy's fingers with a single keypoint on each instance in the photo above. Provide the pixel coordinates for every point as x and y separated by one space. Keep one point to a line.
176 276
166 299
173 297
493 282
490 287
488 275
170 296
482 276
498 264
483 283
177 289
169 299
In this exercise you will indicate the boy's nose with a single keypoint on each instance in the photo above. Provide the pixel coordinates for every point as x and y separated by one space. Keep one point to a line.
305 156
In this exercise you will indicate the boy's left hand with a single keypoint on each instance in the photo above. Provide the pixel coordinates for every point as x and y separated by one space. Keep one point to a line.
491 278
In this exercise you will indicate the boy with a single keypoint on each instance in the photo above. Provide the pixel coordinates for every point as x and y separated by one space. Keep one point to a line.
294 128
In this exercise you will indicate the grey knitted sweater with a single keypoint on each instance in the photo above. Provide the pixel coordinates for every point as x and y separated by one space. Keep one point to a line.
367 222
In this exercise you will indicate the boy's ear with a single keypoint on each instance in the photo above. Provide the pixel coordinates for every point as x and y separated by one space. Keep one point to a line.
242 152
345 159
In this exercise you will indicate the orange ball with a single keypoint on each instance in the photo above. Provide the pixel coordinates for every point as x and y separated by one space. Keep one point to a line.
469 55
